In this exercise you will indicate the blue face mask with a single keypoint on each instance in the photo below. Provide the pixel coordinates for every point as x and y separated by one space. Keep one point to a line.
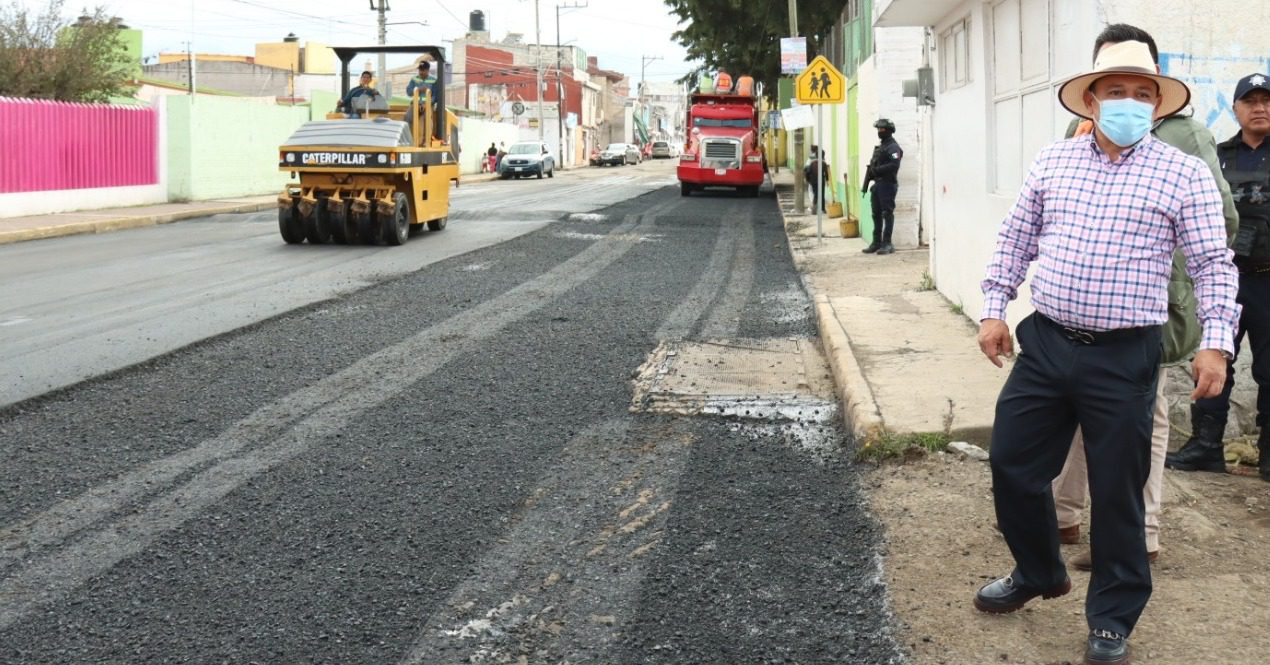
1125 121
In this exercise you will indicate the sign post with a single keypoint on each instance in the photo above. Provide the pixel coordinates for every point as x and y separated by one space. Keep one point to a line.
821 83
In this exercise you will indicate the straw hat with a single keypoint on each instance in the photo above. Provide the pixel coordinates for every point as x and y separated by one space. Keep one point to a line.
1130 57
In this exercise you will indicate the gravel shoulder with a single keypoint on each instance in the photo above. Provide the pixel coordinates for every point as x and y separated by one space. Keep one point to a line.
1211 602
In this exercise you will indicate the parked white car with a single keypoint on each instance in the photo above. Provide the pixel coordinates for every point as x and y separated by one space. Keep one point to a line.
525 159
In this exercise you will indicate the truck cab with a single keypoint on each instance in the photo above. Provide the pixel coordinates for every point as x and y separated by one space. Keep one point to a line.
723 147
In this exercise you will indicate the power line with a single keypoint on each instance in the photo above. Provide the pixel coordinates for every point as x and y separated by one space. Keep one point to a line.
452 15
287 11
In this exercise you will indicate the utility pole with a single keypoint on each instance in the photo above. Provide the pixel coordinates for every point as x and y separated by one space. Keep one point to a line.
643 63
800 187
559 77
189 65
538 68
382 7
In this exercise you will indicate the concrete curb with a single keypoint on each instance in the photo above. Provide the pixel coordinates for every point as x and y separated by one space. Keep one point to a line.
126 222
859 410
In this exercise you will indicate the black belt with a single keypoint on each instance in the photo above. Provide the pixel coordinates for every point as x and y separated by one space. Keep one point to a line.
1092 337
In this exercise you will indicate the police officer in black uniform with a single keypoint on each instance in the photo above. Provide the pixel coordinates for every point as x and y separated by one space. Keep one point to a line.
1245 163
882 171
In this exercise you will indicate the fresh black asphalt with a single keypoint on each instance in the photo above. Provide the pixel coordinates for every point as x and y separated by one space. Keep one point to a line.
506 506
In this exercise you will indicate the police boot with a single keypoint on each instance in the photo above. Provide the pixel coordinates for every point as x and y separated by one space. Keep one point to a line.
1203 451
886 247
1263 453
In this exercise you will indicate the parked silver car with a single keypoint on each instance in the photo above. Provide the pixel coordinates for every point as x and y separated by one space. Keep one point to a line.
618 154
525 159
663 149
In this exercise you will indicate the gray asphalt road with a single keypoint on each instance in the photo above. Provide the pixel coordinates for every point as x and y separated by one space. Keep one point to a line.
82 306
446 467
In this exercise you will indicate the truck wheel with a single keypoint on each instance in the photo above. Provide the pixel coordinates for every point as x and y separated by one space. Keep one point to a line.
437 224
397 228
317 226
685 189
290 225
367 229
338 223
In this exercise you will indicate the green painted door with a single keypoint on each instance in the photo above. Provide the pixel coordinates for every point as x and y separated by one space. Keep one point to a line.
859 203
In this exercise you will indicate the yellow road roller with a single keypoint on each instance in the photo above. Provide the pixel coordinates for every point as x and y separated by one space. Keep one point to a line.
376 172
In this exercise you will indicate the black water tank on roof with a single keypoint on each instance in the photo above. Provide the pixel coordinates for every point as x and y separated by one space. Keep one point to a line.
476 21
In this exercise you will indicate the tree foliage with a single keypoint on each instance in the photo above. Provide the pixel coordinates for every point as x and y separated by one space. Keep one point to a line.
742 37
45 56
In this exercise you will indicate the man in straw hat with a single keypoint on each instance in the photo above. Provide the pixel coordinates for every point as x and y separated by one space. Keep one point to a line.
1100 216
1181 334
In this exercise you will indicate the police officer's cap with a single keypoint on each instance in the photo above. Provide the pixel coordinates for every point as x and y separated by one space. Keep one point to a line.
883 123
1249 83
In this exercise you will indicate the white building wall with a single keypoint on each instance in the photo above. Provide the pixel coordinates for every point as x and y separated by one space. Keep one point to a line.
897 56
983 140
475 135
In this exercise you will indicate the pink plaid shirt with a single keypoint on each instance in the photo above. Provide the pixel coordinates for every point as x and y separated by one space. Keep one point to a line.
1103 234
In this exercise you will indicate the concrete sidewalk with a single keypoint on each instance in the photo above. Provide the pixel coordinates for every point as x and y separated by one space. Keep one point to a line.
34 227
18 229
904 359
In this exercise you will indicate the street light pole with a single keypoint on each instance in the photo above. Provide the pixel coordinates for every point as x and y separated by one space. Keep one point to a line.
800 186
383 39
559 78
538 68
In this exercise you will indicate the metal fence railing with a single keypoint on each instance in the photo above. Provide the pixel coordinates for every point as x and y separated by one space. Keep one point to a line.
49 146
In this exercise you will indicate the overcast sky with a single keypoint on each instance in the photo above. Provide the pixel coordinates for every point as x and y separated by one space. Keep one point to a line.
619 32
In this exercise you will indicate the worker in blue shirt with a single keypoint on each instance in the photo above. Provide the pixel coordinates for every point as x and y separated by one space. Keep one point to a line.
425 78
348 105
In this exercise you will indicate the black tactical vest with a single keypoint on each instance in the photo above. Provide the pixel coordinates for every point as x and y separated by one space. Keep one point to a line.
1251 192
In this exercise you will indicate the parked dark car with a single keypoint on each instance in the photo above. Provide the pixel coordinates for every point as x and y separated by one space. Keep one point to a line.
617 154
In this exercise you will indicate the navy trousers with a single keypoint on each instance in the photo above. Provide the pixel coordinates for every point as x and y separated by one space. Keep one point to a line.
1108 388
883 205
1254 295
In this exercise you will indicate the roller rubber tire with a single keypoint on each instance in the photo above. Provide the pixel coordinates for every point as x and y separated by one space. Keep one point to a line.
290 226
438 224
367 229
340 233
396 229
317 226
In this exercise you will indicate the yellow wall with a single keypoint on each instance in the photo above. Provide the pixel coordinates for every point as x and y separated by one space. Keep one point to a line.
165 58
283 55
319 59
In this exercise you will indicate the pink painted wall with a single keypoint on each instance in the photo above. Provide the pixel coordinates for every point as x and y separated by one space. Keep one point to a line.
47 146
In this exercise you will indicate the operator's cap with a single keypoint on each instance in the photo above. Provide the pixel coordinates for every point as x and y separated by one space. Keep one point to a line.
1249 83
883 123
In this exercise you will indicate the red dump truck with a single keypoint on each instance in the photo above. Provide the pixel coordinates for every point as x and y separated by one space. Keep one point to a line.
723 147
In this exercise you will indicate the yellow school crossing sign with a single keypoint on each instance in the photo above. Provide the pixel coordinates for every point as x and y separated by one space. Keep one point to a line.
820 83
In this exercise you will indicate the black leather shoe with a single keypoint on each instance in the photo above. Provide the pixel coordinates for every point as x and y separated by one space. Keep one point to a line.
886 248
873 247
1106 648
1002 596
